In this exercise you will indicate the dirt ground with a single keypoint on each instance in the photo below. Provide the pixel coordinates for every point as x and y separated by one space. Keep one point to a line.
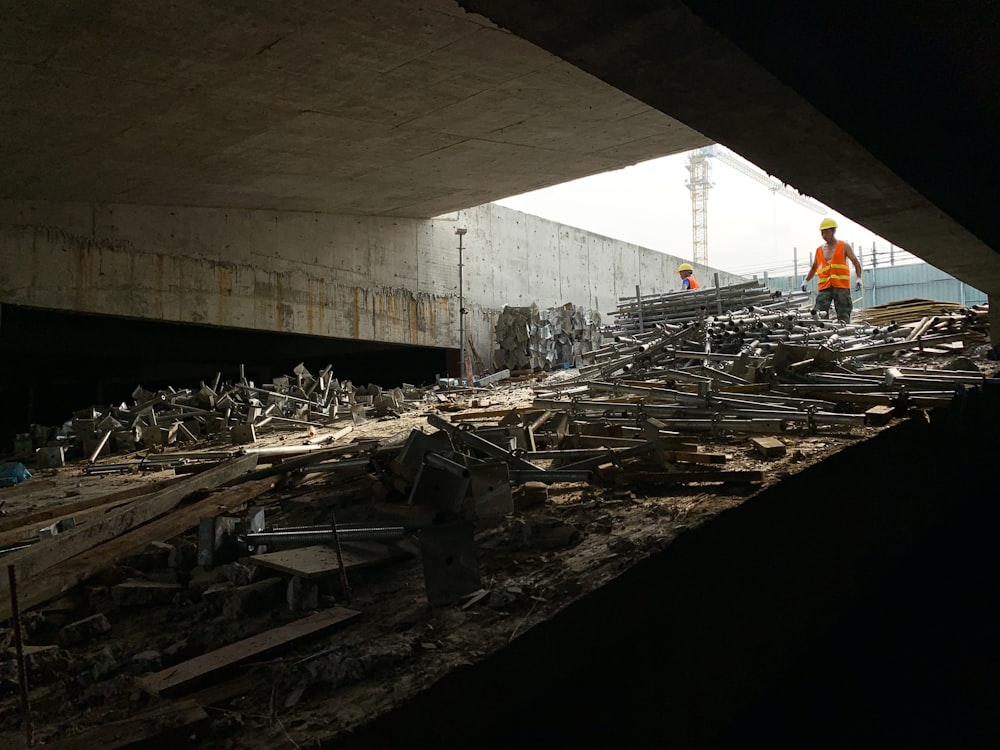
532 563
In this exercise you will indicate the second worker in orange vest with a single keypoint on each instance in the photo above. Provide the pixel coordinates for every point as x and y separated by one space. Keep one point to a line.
688 281
833 274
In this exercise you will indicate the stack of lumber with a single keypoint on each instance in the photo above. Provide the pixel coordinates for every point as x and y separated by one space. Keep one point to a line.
547 338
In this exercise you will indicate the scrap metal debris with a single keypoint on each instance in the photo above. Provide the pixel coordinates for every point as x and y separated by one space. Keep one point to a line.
294 497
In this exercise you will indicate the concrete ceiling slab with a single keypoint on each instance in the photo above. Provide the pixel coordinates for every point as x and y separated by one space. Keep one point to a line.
384 107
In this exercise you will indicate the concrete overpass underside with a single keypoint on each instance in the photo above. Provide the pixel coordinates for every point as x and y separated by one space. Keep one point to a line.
382 108
180 155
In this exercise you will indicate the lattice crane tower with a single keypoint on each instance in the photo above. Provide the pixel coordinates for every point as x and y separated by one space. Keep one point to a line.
699 171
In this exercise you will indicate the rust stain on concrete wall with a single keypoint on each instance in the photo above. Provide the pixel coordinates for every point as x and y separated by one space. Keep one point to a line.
279 304
224 279
357 313
84 279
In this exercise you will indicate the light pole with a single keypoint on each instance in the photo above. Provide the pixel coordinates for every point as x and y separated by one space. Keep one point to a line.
460 231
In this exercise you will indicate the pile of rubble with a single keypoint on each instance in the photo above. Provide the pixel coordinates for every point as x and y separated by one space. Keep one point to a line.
143 600
234 412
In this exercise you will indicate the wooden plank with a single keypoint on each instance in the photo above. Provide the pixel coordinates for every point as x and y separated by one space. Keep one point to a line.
319 560
18 522
184 677
158 727
86 511
695 457
879 415
683 477
492 414
32 562
223 692
63 576
768 447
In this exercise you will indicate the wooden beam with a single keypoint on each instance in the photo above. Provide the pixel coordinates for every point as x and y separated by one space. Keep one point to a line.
62 577
145 730
31 563
17 522
188 675
82 512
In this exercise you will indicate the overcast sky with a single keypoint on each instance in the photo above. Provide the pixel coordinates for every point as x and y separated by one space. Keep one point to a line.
750 229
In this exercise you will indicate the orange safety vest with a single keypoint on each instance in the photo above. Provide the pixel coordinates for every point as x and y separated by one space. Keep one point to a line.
836 273
693 283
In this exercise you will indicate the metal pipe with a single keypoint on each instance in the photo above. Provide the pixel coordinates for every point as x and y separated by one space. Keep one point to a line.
100 446
471 440
280 450
109 468
340 558
736 425
549 476
460 231
327 534
22 673
347 463
567 453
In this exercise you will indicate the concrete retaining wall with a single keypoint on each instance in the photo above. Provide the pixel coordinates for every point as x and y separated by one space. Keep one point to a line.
372 278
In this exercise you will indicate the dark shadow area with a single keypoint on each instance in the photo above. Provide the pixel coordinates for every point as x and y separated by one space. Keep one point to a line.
850 605
53 363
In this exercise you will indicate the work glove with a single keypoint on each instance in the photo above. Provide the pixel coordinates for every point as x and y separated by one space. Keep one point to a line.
857 285
804 286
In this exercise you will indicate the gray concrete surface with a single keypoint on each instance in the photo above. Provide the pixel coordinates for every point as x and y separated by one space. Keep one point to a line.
384 279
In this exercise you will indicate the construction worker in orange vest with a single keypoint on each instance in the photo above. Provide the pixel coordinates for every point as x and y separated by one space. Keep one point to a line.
688 281
834 275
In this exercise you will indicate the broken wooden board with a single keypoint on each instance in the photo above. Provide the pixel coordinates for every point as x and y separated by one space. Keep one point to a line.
768 447
695 457
320 560
158 727
879 415
684 477
81 512
32 562
194 673
20 521
66 574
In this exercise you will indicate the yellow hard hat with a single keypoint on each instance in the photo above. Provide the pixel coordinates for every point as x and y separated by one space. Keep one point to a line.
685 267
827 223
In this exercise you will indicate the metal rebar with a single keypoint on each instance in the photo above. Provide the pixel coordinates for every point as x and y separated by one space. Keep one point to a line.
327 534
100 446
109 468
472 440
347 463
519 476
340 558
22 673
